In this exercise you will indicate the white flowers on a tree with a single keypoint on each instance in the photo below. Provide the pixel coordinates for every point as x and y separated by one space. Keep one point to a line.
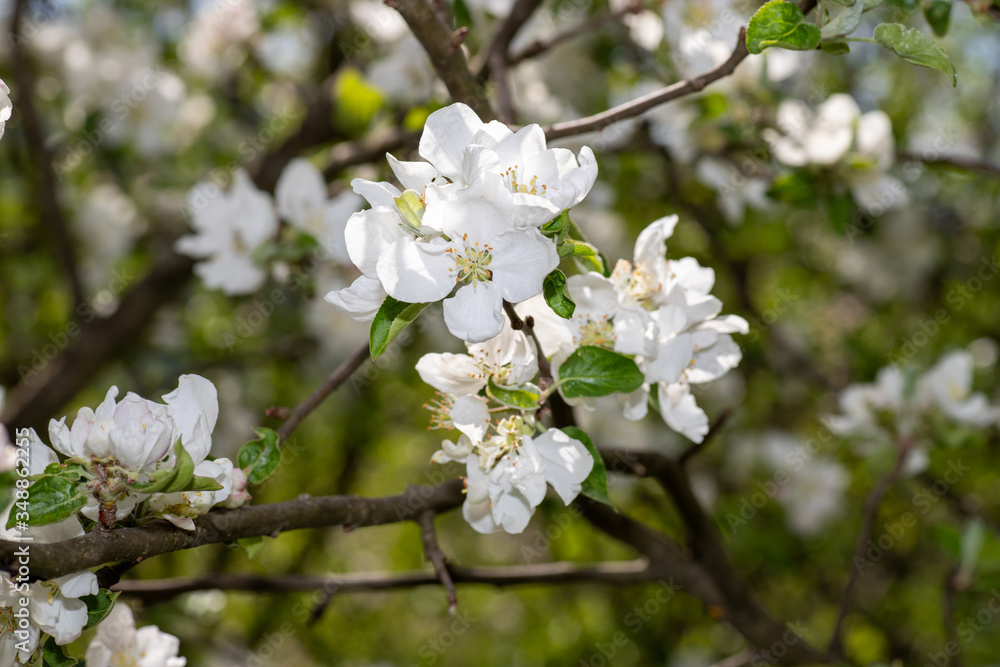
119 644
465 226
5 106
230 227
825 138
659 310
507 468
135 449
302 201
899 408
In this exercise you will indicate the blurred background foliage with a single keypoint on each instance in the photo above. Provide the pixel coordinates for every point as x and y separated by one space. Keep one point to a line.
833 292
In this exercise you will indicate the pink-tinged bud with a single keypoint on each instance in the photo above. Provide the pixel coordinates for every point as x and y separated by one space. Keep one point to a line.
239 495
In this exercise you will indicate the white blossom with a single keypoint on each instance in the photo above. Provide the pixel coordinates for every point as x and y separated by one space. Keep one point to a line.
5 106
119 644
230 227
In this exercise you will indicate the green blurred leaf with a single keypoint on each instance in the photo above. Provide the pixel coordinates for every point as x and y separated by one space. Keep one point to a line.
594 371
835 48
390 320
595 486
938 15
252 545
557 295
355 101
912 46
781 24
463 18
260 458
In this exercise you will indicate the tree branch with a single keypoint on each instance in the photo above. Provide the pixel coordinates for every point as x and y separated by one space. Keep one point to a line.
617 573
496 52
872 505
337 378
445 52
541 46
47 194
49 561
960 162
437 558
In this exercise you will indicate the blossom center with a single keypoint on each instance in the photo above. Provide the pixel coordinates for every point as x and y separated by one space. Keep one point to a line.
599 333
531 187
472 262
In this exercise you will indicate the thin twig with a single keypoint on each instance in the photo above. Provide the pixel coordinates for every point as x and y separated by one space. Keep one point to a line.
437 558
680 89
337 378
617 573
496 52
953 161
589 26
696 447
872 505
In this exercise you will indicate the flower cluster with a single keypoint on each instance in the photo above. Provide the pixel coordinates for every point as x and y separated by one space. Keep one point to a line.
901 407
837 133
659 310
234 227
507 466
465 227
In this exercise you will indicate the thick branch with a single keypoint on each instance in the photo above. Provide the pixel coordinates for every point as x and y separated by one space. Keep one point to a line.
445 52
49 561
739 604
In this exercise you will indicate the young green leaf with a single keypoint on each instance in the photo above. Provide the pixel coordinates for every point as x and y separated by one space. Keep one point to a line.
557 228
574 248
184 467
389 322
252 545
520 397
594 371
51 498
595 486
556 294
912 46
781 24
843 20
260 457
53 655
99 606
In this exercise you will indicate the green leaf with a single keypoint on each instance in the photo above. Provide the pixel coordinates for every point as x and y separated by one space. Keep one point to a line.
595 486
520 397
71 470
390 320
938 15
843 20
794 188
411 207
913 47
781 24
835 48
252 545
260 457
51 498
99 606
7 480
594 371
557 228
158 481
460 11
556 294
198 483
574 248
54 656
184 470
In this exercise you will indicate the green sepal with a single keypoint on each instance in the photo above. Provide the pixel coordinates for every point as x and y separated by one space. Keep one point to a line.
595 486
519 397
